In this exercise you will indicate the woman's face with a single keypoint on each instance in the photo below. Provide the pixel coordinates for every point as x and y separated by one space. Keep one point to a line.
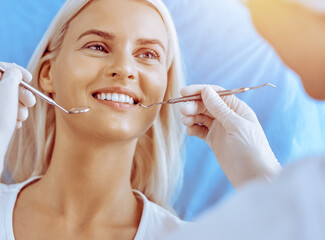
114 51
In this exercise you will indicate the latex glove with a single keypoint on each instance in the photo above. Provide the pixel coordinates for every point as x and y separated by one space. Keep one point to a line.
233 132
14 101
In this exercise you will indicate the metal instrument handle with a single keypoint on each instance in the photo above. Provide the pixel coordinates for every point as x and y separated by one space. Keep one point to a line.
198 96
38 93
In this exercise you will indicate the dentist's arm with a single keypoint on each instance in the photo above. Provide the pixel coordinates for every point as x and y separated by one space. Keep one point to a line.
297 33
233 132
14 101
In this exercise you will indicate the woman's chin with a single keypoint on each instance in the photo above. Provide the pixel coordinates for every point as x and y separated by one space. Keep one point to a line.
115 134
108 127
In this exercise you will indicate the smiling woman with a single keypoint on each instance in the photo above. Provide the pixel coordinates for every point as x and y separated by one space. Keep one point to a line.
110 173
90 176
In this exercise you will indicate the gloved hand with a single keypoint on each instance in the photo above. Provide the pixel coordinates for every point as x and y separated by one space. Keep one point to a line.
14 101
233 132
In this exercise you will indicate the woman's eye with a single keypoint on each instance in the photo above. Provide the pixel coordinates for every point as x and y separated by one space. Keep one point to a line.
97 47
149 55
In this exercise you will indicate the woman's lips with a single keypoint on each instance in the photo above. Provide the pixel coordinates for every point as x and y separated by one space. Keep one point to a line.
117 105
121 100
114 94
117 97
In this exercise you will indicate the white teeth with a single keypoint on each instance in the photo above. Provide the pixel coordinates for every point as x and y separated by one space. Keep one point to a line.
121 98
131 101
115 97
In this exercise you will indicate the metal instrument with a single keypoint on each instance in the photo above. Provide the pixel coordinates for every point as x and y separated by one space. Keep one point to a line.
49 100
198 96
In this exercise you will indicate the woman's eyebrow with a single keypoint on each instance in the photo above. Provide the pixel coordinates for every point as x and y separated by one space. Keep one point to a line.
144 41
105 35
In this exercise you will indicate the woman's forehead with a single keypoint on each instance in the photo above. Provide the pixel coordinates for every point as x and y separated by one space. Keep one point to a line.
136 18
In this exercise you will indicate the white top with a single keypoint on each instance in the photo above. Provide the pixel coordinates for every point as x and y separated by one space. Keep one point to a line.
156 222
290 208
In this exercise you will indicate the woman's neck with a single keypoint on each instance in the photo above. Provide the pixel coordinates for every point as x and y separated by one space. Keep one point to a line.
88 177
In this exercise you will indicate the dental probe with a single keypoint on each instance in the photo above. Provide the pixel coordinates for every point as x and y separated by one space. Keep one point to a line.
75 110
198 96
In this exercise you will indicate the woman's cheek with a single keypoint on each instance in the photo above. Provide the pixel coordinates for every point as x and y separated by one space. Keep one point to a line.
160 87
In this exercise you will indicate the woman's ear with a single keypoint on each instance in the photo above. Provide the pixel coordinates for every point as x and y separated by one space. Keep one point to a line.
46 79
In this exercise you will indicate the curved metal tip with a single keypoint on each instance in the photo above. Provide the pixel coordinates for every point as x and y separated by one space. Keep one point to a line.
270 84
141 105
78 110
266 84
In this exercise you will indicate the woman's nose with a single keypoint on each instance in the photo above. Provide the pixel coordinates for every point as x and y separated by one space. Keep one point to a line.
123 68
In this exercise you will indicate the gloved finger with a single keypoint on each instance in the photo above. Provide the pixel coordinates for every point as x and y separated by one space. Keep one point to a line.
246 112
197 88
218 108
194 108
240 107
231 100
19 124
27 76
26 97
11 77
22 113
197 119
197 131
192 89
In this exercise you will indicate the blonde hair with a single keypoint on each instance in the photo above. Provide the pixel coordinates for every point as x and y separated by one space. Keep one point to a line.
157 165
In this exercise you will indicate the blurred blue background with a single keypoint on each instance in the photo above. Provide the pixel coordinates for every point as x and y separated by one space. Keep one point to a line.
219 46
